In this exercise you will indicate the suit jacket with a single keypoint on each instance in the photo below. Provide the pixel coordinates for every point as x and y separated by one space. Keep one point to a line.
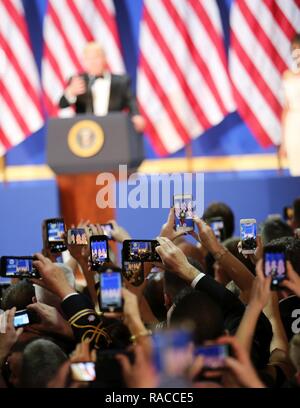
85 322
233 311
120 98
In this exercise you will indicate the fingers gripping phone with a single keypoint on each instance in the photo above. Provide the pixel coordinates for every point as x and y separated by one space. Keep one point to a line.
111 292
25 318
18 267
55 230
184 212
275 265
248 235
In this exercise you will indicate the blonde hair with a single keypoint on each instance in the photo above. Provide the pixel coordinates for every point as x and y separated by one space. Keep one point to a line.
93 46
295 351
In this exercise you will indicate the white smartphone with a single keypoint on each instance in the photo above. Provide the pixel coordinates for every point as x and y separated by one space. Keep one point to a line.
248 235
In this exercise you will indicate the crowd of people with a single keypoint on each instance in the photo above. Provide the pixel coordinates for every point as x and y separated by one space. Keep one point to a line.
210 287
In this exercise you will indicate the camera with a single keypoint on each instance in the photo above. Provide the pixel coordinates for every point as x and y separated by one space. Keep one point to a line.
77 236
111 292
55 230
217 225
18 267
248 235
25 317
184 212
99 251
275 265
214 355
140 251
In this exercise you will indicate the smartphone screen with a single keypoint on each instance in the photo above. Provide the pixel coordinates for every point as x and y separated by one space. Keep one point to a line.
248 235
55 235
21 319
5 281
184 212
217 225
275 266
172 353
107 228
77 236
99 250
111 291
213 355
18 267
84 371
140 251
133 272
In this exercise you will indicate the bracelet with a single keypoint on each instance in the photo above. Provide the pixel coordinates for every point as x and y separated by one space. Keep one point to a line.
218 255
134 337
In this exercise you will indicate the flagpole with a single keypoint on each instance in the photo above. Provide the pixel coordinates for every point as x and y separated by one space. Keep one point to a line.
189 157
3 168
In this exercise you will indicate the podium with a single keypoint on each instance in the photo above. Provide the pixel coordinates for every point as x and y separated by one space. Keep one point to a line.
81 147
71 142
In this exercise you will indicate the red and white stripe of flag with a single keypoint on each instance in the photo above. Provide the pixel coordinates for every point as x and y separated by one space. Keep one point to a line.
183 85
20 97
261 31
69 25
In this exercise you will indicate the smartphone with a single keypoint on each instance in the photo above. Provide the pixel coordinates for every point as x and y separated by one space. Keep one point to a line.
172 353
25 317
184 212
111 292
18 267
133 272
275 265
99 251
140 251
55 229
5 281
84 371
218 227
214 356
107 228
248 235
77 236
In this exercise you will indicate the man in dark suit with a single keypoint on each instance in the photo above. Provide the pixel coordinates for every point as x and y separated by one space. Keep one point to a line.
98 91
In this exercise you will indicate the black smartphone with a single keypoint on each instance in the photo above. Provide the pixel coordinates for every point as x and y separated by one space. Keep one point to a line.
275 265
83 372
25 317
214 356
18 267
107 229
55 230
77 236
140 251
184 212
133 272
218 227
111 292
99 251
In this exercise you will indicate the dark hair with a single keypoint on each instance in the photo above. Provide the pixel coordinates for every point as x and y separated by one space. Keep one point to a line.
18 295
118 333
218 209
232 245
296 207
173 284
292 250
41 361
154 295
199 309
273 229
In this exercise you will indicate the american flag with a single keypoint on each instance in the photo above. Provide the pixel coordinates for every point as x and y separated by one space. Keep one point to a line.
20 96
183 85
261 31
69 25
